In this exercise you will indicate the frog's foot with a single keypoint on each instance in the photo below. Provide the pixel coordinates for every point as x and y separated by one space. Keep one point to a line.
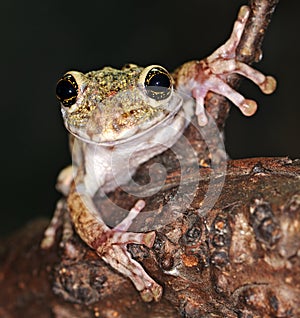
112 248
118 257
227 50
215 83
55 223
60 218
111 244
211 74
61 215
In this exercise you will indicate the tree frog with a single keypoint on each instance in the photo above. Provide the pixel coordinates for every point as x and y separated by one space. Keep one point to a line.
130 115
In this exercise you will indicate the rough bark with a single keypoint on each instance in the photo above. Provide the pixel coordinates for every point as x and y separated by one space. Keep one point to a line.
239 260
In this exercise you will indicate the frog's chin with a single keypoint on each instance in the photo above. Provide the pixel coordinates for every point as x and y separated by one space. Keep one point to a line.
91 133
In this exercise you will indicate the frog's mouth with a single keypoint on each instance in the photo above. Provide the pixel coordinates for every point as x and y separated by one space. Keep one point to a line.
108 128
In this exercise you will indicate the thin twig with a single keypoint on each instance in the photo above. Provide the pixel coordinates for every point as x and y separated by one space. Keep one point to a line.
249 49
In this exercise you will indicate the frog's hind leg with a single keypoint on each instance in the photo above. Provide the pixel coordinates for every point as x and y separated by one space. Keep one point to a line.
60 218
111 244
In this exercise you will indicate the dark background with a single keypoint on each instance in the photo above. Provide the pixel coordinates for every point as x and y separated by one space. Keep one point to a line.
40 40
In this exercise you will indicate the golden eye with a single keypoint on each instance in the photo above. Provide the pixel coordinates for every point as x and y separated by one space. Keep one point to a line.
158 83
67 90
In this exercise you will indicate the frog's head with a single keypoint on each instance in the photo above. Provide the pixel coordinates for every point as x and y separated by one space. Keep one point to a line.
110 105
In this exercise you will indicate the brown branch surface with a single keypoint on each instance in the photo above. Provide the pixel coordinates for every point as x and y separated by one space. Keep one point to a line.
249 49
239 260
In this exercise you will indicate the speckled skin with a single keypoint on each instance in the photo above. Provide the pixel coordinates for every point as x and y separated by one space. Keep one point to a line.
112 104
113 118
97 86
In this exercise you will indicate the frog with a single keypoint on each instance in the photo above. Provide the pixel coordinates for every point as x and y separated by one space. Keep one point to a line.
135 112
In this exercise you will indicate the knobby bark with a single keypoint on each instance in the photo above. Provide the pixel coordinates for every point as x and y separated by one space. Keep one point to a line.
241 259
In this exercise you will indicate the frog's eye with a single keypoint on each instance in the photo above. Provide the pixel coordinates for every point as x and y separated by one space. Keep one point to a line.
67 90
158 83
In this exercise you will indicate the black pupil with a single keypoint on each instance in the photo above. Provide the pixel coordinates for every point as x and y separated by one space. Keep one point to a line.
158 84
160 80
66 91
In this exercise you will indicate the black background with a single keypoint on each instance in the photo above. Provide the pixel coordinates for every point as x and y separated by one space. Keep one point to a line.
40 40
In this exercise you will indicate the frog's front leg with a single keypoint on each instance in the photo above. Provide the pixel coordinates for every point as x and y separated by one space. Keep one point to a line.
200 77
111 244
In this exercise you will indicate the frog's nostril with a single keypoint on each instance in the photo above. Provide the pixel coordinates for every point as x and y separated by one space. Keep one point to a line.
67 90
